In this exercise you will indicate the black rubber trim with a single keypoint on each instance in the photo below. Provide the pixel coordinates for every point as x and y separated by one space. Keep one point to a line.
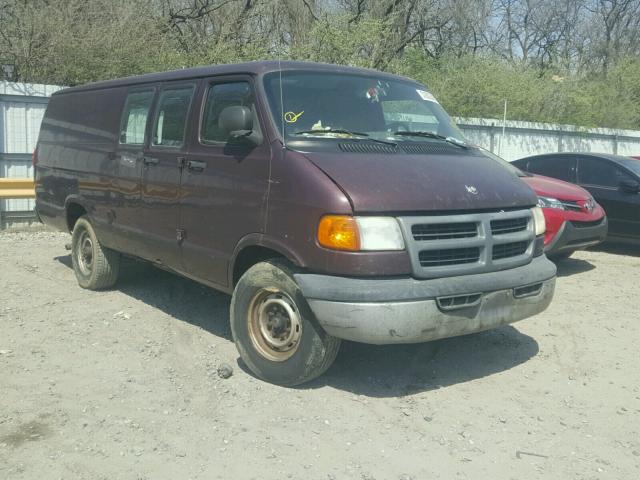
345 289
571 238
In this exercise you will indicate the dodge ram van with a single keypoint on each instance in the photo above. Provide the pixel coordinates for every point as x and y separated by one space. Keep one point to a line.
333 203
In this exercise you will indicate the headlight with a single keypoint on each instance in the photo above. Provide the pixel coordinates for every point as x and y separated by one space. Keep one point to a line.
343 232
539 224
379 233
548 202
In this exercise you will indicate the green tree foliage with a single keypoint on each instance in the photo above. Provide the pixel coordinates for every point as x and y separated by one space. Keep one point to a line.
578 63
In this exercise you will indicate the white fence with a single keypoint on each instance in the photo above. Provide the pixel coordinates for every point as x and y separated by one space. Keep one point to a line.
22 107
526 138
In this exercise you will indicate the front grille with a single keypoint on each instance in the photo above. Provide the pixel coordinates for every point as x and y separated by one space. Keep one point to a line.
571 205
509 225
444 231
461 244
450 256
594 223
507 250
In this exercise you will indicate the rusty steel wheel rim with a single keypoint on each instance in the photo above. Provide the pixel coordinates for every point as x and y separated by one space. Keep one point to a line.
84 253
274 325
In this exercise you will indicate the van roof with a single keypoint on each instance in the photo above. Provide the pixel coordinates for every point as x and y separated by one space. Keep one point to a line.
252 68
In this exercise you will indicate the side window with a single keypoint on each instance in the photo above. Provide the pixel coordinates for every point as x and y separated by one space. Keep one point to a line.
595 171
560 167
134 117
219 97
171 116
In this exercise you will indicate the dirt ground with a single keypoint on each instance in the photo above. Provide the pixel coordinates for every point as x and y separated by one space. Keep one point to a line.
123 385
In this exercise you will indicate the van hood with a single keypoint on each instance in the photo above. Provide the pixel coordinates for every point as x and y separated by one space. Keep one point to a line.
417 183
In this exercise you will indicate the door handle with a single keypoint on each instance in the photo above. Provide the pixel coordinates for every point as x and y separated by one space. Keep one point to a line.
196 166
150 161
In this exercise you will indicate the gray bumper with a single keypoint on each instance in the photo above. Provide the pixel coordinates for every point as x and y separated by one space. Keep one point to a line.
406 310
577 235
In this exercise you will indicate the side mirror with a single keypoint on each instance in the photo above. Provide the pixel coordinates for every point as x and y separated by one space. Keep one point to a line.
236 121
629 186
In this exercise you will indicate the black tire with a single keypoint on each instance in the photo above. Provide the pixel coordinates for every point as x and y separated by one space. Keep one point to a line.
96 267
269 287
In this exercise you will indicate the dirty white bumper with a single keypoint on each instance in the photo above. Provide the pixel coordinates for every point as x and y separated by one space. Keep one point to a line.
405 310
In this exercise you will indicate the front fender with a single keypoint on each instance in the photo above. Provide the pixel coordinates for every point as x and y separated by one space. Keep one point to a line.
265 241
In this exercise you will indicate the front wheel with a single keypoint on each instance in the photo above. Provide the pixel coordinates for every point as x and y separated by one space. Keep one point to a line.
96 267
274 329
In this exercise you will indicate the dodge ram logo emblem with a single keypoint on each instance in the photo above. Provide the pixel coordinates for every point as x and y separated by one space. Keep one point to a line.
471 189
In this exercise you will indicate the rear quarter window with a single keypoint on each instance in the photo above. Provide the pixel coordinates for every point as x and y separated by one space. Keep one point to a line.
83 117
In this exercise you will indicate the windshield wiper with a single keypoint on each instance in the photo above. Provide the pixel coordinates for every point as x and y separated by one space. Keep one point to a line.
451 140
346 132
333 130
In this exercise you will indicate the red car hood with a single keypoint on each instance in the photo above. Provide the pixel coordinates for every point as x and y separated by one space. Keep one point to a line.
554 188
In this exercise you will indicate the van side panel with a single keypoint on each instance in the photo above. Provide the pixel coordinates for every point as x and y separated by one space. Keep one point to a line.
76 157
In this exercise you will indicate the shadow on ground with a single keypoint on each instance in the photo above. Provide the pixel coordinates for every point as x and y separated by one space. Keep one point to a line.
572 266
398 370
370 370
618 248
177 296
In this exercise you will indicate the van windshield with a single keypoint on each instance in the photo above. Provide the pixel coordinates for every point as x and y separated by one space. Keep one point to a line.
339 105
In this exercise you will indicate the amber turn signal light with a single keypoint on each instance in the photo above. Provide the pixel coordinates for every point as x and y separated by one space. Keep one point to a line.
339 232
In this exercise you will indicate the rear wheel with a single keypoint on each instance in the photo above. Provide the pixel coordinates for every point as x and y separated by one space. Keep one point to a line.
96 267
274 329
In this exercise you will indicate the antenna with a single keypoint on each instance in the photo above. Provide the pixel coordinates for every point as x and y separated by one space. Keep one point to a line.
284 136
504 125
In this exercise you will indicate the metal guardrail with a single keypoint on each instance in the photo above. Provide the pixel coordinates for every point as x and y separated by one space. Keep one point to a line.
17 188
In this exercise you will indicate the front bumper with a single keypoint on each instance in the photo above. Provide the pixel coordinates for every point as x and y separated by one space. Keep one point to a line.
576 235
405 310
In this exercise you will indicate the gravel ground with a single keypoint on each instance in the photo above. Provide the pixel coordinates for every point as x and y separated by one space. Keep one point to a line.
124 384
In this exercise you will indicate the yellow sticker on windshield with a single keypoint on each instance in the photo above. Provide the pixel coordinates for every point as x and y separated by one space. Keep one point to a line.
291 117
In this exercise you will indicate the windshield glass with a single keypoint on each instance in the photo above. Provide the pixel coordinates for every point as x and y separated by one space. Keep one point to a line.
339 105
632 164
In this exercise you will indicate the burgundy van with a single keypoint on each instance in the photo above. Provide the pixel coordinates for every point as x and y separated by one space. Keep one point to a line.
331 202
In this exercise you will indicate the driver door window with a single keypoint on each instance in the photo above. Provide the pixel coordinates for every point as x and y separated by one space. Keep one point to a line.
219 97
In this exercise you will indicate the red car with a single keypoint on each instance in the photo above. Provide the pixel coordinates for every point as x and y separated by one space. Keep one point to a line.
574 219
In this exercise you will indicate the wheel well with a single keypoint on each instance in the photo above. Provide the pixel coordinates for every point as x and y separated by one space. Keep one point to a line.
248 257
74 212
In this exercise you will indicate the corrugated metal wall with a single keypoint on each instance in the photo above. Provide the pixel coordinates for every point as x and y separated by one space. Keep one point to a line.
21 109
527 138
